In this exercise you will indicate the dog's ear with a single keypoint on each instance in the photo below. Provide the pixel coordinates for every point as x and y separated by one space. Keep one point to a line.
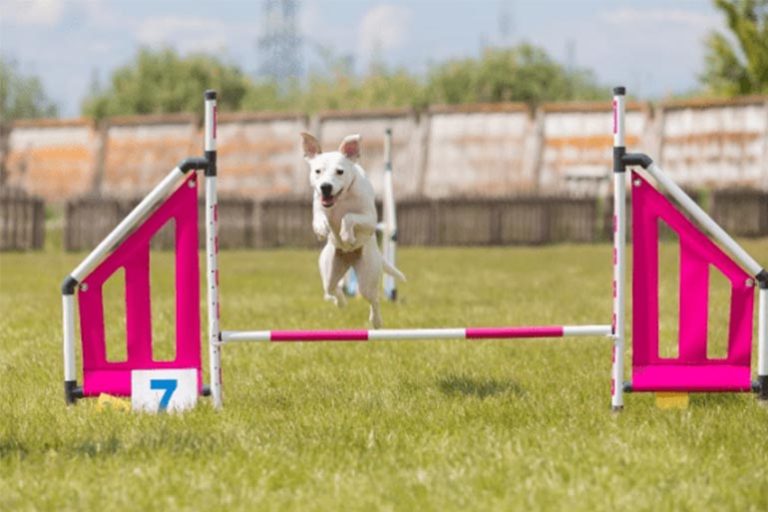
350 147
310 145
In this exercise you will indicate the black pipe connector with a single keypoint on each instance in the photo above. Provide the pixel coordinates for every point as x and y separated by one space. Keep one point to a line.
762 279
193 163
72 391
69 286
637 159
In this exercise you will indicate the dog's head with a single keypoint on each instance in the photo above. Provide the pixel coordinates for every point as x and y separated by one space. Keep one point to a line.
331 174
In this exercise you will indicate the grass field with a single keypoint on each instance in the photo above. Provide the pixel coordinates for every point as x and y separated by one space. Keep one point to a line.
488 425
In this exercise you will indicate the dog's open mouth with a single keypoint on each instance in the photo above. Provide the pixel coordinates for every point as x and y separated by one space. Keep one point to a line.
329 200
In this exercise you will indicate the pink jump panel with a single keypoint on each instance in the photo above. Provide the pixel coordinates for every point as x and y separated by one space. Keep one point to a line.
692 370
102 376
514 332
679 377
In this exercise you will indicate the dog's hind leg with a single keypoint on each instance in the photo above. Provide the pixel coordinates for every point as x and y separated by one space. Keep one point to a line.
332 269
375 314
368 269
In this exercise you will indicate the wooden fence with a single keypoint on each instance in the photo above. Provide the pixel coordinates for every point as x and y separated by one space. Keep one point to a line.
741 212
519 220
286 222
89 220
22 221
524 220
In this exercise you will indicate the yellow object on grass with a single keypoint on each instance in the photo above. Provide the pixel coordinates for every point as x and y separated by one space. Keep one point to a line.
667 400
106 401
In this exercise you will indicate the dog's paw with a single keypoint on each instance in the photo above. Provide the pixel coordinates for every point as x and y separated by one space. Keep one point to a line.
375 319
336 299
321 230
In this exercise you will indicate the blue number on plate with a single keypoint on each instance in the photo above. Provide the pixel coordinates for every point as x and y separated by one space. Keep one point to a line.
167 385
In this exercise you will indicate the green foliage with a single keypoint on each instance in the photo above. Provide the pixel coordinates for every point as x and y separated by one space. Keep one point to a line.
738 63
523 73
21 96
344 91
162 81
335 86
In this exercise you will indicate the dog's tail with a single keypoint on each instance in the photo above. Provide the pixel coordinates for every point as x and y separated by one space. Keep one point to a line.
391 270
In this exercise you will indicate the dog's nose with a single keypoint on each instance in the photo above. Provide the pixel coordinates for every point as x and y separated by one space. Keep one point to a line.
326 189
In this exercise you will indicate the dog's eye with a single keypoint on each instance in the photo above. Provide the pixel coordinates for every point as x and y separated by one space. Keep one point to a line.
317 171
339 171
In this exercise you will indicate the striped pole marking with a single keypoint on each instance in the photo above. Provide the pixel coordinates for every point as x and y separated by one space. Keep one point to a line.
469 333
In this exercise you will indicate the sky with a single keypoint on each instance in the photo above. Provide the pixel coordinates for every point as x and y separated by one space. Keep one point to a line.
654 47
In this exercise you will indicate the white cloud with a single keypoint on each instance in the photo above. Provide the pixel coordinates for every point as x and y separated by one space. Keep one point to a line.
104 16
633 15
384 27
45 13
185 34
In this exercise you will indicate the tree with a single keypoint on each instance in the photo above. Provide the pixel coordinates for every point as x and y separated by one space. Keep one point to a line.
337 87
739 64
161 81
22 96
381 88
522 73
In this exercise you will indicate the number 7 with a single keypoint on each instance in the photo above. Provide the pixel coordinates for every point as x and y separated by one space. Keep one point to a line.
167 385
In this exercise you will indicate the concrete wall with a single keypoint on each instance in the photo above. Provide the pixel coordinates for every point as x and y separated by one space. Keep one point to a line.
577 140
479 150
51 158
469 150
259 155
141 150
716 144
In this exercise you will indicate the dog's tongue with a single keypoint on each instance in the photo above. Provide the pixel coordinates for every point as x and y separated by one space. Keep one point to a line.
327 201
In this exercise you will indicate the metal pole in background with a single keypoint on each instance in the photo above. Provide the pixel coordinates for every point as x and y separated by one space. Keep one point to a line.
389 241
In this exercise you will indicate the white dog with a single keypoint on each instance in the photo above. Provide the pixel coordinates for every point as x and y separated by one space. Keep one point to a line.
344 215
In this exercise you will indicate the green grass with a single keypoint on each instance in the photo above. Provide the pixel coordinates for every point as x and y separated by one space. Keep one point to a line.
486 425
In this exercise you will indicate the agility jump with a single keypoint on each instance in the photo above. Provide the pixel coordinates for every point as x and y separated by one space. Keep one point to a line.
127 247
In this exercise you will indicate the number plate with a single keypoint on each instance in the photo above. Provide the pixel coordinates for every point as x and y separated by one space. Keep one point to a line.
163 390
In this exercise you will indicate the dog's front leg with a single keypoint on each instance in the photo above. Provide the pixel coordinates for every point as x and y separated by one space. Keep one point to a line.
320 224
332 269
365 225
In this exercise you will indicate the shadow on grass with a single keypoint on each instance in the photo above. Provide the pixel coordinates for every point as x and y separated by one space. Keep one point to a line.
712 399
91 449
87 449
10 449
453 385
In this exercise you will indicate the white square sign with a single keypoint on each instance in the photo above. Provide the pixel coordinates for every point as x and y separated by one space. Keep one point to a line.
163 390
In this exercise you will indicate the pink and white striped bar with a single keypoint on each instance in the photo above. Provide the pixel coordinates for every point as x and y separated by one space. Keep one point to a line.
469 333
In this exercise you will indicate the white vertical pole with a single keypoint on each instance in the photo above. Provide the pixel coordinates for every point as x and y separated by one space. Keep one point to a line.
70 376
619 250
762 343
389 243
212 248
